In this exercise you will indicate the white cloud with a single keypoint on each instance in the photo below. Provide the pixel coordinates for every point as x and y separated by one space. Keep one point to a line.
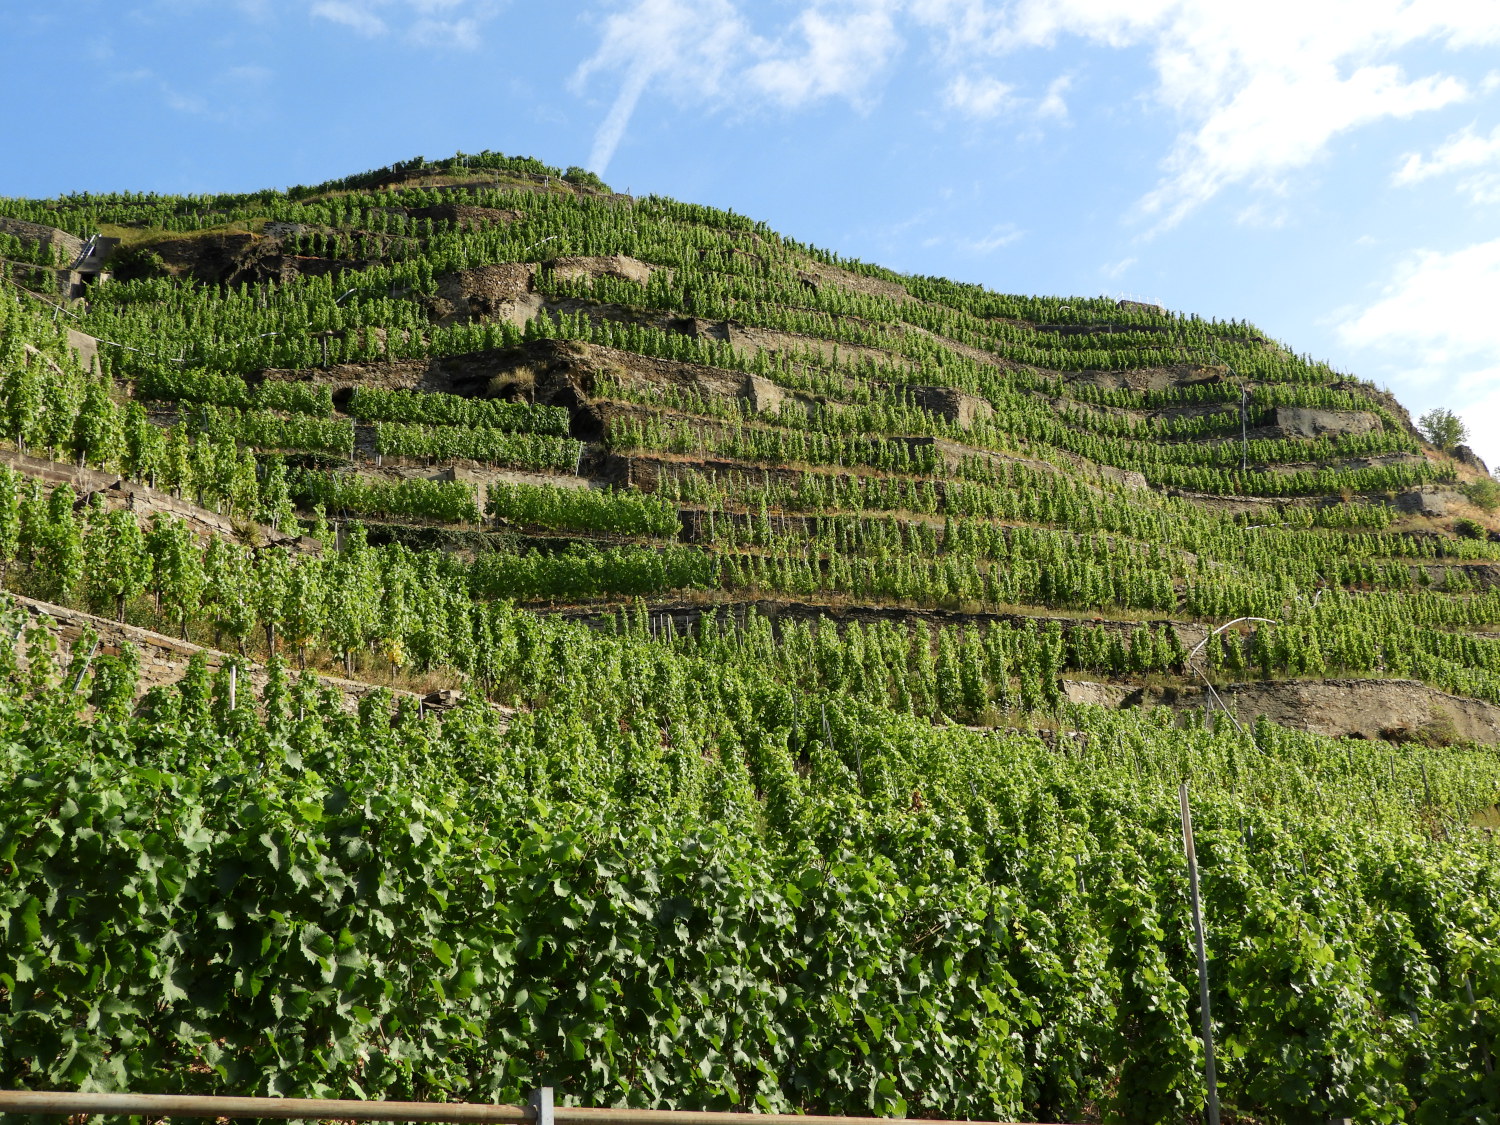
354 14
1116 269
462 34
996 238
427 23
1434 332
844 49
706 52
1439 304
1465 151
979 97
249 75
1261 90
1278 122
1053 104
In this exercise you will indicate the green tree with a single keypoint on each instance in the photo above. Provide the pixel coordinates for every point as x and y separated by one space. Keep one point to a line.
1443 428
176 464
21 396
354 593
272 580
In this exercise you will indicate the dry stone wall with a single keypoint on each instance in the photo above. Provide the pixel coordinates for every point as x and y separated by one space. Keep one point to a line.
1396 709
163 659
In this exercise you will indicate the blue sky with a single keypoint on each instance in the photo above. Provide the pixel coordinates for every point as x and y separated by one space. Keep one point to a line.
1328 169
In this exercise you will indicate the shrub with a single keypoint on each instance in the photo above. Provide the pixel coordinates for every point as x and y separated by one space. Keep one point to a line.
584 178
1469 529
135 263
1483 493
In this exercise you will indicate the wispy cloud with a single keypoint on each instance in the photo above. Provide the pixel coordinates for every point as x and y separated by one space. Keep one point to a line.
707 52
1438 303
1433 327
979 97
462 34
996 238
1260 91
357 15
1464 152
1054 104
690 47
456 24
832 50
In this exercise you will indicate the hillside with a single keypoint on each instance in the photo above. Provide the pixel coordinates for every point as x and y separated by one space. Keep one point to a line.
833 643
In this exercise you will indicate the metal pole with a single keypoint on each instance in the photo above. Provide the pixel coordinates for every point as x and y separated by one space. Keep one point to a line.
1484 1047
59 1104
84 671
1244 431
1209 1071
182 1105
540 1107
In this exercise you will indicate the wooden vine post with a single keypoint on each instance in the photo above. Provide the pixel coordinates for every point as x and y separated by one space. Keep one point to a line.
1209 1071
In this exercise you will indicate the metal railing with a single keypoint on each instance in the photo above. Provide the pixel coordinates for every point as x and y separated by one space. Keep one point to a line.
539 1111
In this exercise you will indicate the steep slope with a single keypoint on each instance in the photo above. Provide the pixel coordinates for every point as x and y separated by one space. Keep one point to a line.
756 419
855 632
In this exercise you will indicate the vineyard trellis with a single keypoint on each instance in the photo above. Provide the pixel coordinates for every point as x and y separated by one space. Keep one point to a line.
766 575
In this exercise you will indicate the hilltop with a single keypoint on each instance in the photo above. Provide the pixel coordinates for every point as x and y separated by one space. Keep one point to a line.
918 597
771 422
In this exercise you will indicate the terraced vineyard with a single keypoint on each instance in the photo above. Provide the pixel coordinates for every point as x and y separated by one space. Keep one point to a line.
833 643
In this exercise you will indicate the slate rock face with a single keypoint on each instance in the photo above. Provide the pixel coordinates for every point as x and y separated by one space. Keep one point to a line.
1308 422
1464 455
1426 501
954 405
68 245
1398 710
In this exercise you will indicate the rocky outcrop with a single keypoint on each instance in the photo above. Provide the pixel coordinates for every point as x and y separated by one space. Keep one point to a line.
501 292
954 405
465 216
1307 422
85 347
612 265
1466 456
1151 378
244 259
67 246
1428 500
1399 710
818 274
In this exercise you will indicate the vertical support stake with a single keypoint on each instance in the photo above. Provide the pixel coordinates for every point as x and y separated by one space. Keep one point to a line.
1484 1047
1209 1072
84 671
234 677
540 1106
